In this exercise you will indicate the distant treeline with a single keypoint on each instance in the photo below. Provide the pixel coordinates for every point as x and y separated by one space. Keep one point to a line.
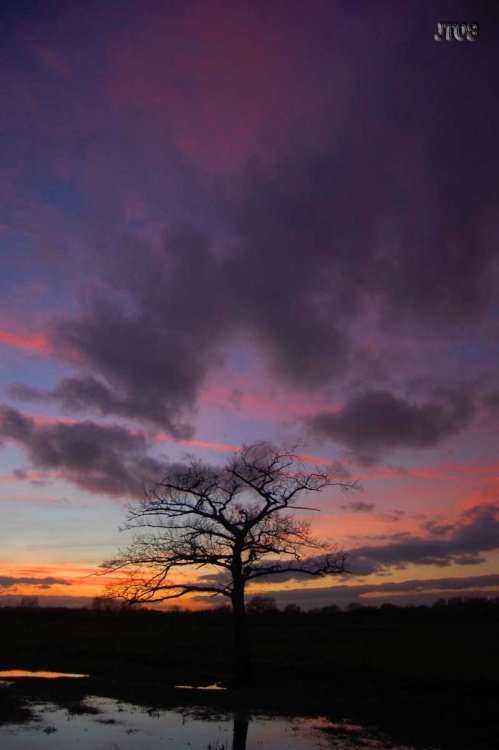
455 609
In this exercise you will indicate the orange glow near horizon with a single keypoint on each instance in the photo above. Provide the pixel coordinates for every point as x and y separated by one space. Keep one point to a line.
41 674
88 583
461 486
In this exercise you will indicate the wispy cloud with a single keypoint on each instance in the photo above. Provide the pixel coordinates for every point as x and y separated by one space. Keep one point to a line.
8 582
102 459
37 344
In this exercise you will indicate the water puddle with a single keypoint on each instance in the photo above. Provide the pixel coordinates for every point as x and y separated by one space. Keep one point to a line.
6 673
109 724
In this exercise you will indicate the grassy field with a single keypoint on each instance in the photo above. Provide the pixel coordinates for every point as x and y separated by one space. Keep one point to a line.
428 680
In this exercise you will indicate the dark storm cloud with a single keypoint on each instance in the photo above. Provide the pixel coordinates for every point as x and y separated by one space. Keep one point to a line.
42 583
387 217
491 401
15 425
153 329
378 419
79 394
376 217
101 459
284 273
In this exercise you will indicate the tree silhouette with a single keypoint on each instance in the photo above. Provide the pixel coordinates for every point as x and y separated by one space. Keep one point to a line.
260 605
209 530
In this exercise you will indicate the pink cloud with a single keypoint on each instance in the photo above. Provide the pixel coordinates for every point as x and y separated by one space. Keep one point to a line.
240 397
41 420
456 471
450 471
226 448
34 343
222 447
344 527
486 495
31 476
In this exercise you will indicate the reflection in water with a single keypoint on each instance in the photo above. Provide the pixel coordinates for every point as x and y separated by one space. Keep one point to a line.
107 724
215 686
240 732
39 674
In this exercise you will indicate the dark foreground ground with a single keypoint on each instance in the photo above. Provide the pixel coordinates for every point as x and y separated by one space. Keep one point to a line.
425 676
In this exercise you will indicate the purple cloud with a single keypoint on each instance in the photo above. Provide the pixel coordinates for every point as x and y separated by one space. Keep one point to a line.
101 459
378 419
338 241
7 582
475 533
359 507
465 542
155 326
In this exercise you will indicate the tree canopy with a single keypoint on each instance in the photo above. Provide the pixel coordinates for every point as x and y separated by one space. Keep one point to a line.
214 530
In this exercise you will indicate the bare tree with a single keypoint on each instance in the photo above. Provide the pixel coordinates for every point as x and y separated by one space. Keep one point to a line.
212 531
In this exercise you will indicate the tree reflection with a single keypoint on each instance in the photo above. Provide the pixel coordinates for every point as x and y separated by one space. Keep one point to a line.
240 732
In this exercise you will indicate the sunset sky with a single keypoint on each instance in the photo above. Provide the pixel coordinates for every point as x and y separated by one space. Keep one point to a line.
230 221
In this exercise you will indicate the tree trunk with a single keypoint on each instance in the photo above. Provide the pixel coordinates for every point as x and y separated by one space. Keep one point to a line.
242 647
